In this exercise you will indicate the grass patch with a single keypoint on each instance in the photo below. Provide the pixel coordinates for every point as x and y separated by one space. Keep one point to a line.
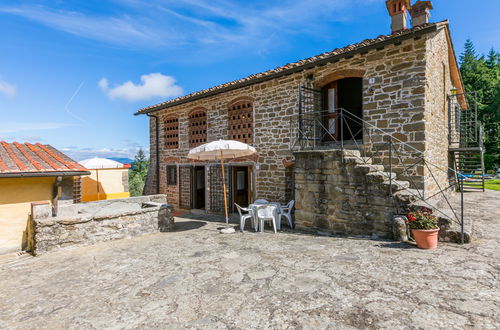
488 184
492 184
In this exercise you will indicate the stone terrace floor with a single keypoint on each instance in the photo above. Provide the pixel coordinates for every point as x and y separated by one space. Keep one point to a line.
198 278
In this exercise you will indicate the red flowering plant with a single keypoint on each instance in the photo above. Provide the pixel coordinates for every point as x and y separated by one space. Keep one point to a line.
422 219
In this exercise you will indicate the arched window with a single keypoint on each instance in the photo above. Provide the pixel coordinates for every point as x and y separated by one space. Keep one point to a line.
240 121
171 126
197 127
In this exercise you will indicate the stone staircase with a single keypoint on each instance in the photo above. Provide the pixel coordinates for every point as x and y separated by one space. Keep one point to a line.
341 192
406 198
402 193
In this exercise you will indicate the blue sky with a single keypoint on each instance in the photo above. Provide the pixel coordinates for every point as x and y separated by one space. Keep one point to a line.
72 73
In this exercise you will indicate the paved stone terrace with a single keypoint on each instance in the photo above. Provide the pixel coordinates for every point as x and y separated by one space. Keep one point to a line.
197 278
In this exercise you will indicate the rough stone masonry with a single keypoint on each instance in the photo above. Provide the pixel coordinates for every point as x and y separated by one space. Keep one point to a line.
89 223
405 79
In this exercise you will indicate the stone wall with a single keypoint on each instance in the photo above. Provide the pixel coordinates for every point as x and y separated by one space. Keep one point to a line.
395 105
346 197
89 223
394 97
438 86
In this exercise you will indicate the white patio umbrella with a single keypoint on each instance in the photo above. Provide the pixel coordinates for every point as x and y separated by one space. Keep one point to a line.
222 149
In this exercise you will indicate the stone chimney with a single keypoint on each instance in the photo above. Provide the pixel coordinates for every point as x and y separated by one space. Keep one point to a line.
420 12
398 9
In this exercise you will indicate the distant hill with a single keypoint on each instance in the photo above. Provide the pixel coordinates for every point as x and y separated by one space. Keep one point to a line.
122 160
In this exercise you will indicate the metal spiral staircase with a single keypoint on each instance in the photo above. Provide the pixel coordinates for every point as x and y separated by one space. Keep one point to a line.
466 141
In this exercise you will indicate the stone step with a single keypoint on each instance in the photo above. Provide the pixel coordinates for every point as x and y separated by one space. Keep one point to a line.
368 168
380 176
408 195
398 185
352 153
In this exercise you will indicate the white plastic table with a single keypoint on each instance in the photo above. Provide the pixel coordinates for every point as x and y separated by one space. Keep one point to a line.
253 207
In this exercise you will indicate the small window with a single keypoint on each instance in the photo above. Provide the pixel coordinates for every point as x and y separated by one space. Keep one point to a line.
197 128
240 121
171 133
171 175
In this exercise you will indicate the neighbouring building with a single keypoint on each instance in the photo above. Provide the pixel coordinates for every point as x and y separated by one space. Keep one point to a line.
108 179
32 173
402 87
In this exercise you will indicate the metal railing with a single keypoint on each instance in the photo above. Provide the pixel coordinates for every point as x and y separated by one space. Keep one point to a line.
316 130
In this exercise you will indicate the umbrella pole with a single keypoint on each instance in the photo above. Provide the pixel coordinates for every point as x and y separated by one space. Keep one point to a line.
224 185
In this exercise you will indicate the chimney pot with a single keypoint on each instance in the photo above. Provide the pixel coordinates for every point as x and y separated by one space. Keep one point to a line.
420 12
398 10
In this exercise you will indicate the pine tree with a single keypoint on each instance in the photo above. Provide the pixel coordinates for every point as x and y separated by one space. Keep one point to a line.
493 61
482 76
137 174
469 56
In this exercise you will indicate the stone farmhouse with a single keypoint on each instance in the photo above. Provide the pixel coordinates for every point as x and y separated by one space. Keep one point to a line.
307 121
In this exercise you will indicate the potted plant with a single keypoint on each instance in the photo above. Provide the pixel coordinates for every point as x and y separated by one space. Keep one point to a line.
424 228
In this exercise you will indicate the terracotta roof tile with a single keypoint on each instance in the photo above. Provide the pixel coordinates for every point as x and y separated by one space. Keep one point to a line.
287 67
26 158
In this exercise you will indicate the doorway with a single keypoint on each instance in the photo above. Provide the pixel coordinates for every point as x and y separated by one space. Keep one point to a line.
199 187
241 185
347 94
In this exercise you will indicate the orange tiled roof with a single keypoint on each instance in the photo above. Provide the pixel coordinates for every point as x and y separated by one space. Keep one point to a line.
27 158
288 68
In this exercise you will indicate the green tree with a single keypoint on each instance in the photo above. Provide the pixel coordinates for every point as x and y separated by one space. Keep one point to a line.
137 174
481 75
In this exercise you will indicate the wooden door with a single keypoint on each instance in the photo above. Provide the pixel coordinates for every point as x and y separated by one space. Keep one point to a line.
199 187
241 186
331 111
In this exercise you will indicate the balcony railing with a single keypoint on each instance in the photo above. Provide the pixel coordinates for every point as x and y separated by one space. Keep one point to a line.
315 130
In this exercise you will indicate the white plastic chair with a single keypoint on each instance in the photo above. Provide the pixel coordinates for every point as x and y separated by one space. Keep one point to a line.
244 217
266 212
261 201
286 211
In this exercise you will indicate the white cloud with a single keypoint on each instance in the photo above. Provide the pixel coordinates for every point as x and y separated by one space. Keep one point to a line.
123 30
7 88
152 85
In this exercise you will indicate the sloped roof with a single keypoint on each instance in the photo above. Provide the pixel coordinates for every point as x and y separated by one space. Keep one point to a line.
26 159
304 64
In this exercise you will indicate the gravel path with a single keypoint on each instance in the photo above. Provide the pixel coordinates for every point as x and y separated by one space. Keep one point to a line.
198 278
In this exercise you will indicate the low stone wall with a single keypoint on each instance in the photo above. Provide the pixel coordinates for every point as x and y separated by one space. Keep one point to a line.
88 223
347 197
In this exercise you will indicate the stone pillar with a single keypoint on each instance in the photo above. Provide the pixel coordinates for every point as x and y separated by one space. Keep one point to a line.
40 210
165 218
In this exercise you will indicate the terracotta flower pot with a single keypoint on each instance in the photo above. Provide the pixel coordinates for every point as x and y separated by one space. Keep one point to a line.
426 239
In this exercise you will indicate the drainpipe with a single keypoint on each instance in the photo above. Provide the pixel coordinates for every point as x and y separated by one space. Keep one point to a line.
157 151
55 195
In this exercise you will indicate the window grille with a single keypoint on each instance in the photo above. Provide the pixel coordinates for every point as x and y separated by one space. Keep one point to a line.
197 128
216 188
172 133
240 122
171 175
77 189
